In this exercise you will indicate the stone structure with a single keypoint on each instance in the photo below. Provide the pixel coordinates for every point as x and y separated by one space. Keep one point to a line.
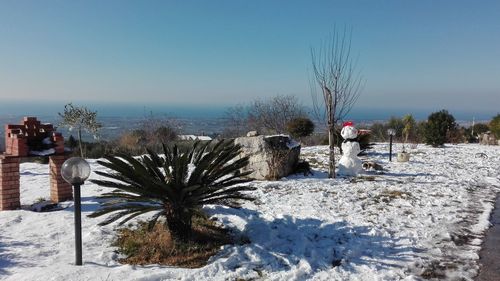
25 139
252 134
270 157
488 138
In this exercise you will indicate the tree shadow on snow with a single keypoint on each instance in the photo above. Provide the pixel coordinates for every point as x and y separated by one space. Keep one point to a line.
307 245
8 258
315 174
30 173
88 205
408 174
377 154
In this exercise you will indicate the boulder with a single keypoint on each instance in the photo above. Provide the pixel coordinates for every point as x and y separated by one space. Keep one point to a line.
487 139
270 157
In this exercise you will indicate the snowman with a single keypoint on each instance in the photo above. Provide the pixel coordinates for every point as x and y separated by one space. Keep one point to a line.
349 164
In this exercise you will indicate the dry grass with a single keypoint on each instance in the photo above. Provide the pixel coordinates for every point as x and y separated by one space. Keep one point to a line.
128 141
362 179
386 196
156 246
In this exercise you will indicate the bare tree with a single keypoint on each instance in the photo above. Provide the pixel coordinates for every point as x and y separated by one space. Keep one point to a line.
273 115
236 121
270 115
334 74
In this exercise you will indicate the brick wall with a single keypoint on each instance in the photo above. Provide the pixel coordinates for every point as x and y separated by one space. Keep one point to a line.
19 137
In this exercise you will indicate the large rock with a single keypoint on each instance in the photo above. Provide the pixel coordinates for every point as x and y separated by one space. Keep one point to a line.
488 139
270 157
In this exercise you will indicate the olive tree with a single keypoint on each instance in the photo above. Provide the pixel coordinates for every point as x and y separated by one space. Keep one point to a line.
495 126
80 118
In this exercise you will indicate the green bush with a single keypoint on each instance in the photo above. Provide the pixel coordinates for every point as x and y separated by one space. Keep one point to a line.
440 125
300 127
364 142
406 129
398 125
495 126
480 128
379 131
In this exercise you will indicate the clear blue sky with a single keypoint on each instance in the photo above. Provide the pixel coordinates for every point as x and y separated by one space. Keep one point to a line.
412 54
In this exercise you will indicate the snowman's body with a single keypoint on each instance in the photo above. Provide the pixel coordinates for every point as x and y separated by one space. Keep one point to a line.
350 164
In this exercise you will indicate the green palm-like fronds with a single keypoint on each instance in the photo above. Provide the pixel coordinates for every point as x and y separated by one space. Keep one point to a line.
175 185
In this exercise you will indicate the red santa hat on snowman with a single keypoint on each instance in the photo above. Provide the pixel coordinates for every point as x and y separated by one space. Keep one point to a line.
348 131
348 123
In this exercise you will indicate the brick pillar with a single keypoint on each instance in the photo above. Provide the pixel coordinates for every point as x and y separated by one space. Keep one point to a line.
60 190
15 142
58 139
9 183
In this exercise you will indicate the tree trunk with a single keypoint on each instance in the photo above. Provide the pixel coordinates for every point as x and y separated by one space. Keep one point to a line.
331 133
179 224
80 141
331 148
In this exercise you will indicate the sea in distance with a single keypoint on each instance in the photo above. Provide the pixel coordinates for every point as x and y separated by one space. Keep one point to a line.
197 120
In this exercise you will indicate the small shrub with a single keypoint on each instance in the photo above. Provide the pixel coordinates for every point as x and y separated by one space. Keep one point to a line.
96 150
131 143
364 142
379 132
495 126
398 125
480 128
300 127
164 134
303 167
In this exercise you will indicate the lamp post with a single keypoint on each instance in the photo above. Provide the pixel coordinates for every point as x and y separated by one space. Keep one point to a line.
391 132
75 171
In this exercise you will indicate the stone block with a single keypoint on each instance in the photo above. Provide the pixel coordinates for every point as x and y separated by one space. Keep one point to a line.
270 157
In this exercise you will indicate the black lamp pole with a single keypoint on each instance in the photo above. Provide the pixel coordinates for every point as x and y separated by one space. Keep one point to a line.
78 224
75 171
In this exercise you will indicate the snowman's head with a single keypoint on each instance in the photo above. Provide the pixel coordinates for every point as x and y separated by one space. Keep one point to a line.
349 132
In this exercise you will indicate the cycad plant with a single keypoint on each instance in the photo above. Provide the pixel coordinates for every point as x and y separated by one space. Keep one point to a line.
175 185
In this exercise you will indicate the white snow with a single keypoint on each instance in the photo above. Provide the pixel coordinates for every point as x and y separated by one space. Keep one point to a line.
194 137
45 152
429 213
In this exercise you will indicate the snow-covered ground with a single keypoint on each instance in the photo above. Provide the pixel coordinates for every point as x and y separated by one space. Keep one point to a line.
421 218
